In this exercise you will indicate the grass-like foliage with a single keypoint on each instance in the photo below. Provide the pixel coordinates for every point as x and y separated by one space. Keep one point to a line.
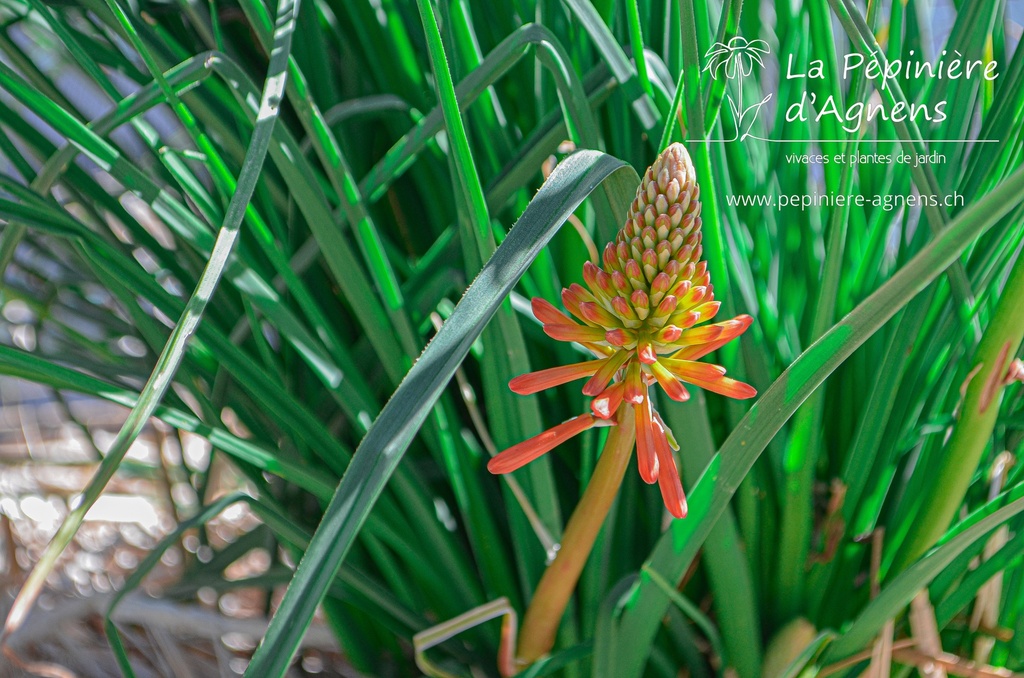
309 232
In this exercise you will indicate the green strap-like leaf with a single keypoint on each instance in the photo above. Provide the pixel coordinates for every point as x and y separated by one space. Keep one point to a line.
382 449
903 588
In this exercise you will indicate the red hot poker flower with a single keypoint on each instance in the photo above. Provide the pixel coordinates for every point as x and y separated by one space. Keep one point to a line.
641 315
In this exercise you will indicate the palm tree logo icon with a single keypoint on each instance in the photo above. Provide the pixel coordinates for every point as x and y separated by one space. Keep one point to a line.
737 58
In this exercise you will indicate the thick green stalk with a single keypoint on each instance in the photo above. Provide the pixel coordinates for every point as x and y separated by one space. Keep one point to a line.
973 430
550 598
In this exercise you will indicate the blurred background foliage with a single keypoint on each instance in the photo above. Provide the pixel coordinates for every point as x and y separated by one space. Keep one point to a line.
123 136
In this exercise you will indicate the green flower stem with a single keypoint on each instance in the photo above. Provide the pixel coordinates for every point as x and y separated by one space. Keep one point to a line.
537 635
636 43
973 430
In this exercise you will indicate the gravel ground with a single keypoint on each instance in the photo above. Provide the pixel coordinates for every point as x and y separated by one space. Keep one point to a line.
49 447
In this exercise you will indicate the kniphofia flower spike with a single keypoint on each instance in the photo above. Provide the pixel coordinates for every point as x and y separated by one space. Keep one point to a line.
641 314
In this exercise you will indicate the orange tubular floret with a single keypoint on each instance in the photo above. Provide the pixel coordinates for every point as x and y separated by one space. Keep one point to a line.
519 455
645 351
606 404
595 313
525 384
636 391
617 337
668 477
669 383
546 312
668 334
689 370
707 310
701 335
599 382
590 272
730 330
684 319
646 452
574 332
575 295
727 387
